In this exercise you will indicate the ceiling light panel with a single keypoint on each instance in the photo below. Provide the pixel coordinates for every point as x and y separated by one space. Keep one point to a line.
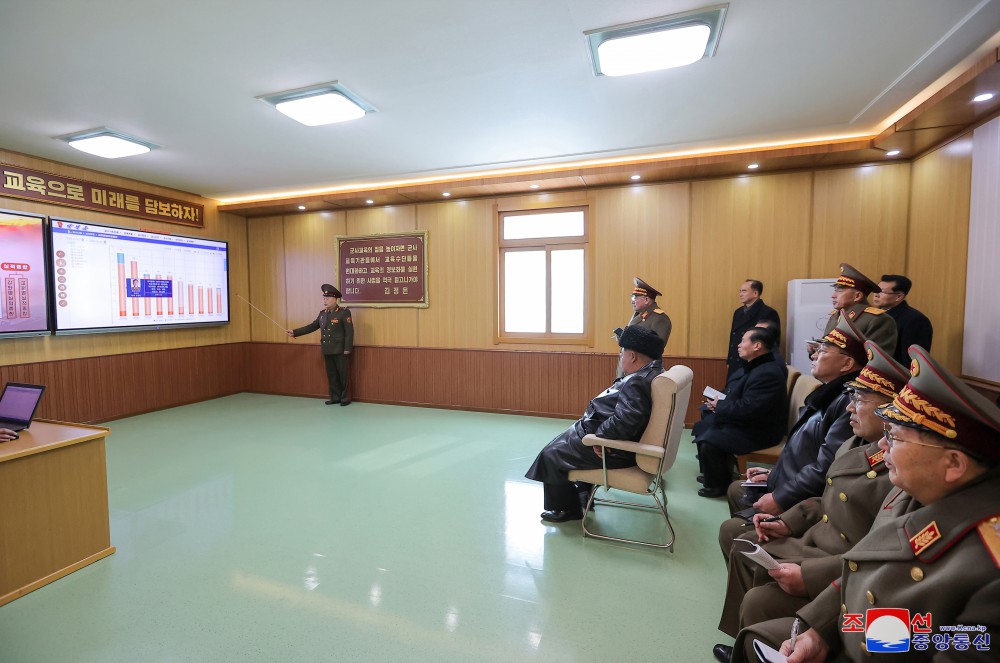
107 143
321 104
658 43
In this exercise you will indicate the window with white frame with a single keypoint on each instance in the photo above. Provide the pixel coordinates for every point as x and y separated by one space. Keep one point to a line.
544 275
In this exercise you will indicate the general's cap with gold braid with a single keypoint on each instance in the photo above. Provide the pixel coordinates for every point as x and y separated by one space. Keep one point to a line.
937 401
847 337
644 289
330 291
852 278
882 375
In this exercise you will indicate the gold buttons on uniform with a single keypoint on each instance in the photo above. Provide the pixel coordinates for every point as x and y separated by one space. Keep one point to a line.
829 481
843 608
852 565
843 537
917 574
872 474
843 497
870 597
826 518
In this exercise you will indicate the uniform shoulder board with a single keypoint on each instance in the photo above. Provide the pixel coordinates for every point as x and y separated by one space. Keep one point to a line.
989 531
874 310
659 310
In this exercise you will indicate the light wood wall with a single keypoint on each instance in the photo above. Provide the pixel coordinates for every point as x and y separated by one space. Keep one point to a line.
228 227
695 241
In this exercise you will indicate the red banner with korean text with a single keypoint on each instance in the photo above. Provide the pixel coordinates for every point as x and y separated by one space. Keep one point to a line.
383 270
17 182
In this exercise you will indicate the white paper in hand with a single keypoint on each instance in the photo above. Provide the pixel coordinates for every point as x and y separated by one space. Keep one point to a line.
768 654
756 553
713 394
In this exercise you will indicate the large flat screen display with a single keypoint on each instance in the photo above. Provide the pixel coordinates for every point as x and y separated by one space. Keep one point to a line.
118 279
22 275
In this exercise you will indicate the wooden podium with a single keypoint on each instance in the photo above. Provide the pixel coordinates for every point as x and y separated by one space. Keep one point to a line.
53 505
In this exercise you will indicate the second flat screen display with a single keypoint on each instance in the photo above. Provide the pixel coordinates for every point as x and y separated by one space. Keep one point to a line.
113 279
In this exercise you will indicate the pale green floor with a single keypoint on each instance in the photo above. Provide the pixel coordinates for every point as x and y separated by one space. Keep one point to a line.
266 528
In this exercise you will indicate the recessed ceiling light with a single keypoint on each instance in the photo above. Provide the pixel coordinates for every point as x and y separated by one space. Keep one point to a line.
107 143
637 177
533 186
369 202
892 153
753 166
302 206
986 96
446 194
658 43
316 105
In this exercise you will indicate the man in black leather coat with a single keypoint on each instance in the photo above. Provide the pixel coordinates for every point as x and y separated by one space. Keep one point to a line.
620 412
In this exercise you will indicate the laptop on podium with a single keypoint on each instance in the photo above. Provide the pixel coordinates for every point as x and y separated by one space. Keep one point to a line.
18 404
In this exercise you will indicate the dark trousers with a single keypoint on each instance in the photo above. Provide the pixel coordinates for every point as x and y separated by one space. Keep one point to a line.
561 497
716 464
336 376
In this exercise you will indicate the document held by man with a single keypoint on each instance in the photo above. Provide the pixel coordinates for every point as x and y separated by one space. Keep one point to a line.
756 553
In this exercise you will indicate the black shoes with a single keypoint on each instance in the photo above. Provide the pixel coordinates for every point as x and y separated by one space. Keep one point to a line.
700 478
561 516
722 653
712 492
345 404
329 402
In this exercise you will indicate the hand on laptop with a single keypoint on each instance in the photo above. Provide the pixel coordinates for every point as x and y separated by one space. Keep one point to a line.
6 435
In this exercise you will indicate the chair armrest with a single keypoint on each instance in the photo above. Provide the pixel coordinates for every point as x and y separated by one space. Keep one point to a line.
624 445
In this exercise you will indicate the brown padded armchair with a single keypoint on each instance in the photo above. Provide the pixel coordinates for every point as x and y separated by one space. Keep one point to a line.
655 454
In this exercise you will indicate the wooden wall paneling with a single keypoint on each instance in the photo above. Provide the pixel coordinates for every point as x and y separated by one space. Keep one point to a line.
108 387
310 242
384 326
937 247
554 384
268 292
745 227
860 217
641 230
461 281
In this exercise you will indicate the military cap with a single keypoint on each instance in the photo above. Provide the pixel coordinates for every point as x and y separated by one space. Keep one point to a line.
330 291
852 278
643 340
882 375
644 289
937 401
847 337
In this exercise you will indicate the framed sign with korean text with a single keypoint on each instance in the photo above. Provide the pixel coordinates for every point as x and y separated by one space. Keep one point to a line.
385 270
17 182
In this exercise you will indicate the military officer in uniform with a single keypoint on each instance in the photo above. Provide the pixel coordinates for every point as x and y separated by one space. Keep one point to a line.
646 313
810 538
934 548
850 297
336 342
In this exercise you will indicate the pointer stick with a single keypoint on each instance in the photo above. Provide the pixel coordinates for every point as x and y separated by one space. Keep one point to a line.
282 327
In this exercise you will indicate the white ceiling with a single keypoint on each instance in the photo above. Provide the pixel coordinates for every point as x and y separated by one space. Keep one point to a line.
460 85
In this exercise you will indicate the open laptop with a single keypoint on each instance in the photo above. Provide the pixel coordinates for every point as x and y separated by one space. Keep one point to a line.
18 404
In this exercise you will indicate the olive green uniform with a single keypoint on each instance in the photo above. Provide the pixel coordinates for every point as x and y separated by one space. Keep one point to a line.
870 321
653 318
336 341
941 560
821 531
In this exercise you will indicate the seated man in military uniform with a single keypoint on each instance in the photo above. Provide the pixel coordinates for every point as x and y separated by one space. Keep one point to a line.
621 412
810 538
933 551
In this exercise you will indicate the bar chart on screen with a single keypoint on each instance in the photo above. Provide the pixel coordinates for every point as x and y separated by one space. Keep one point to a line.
120 278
